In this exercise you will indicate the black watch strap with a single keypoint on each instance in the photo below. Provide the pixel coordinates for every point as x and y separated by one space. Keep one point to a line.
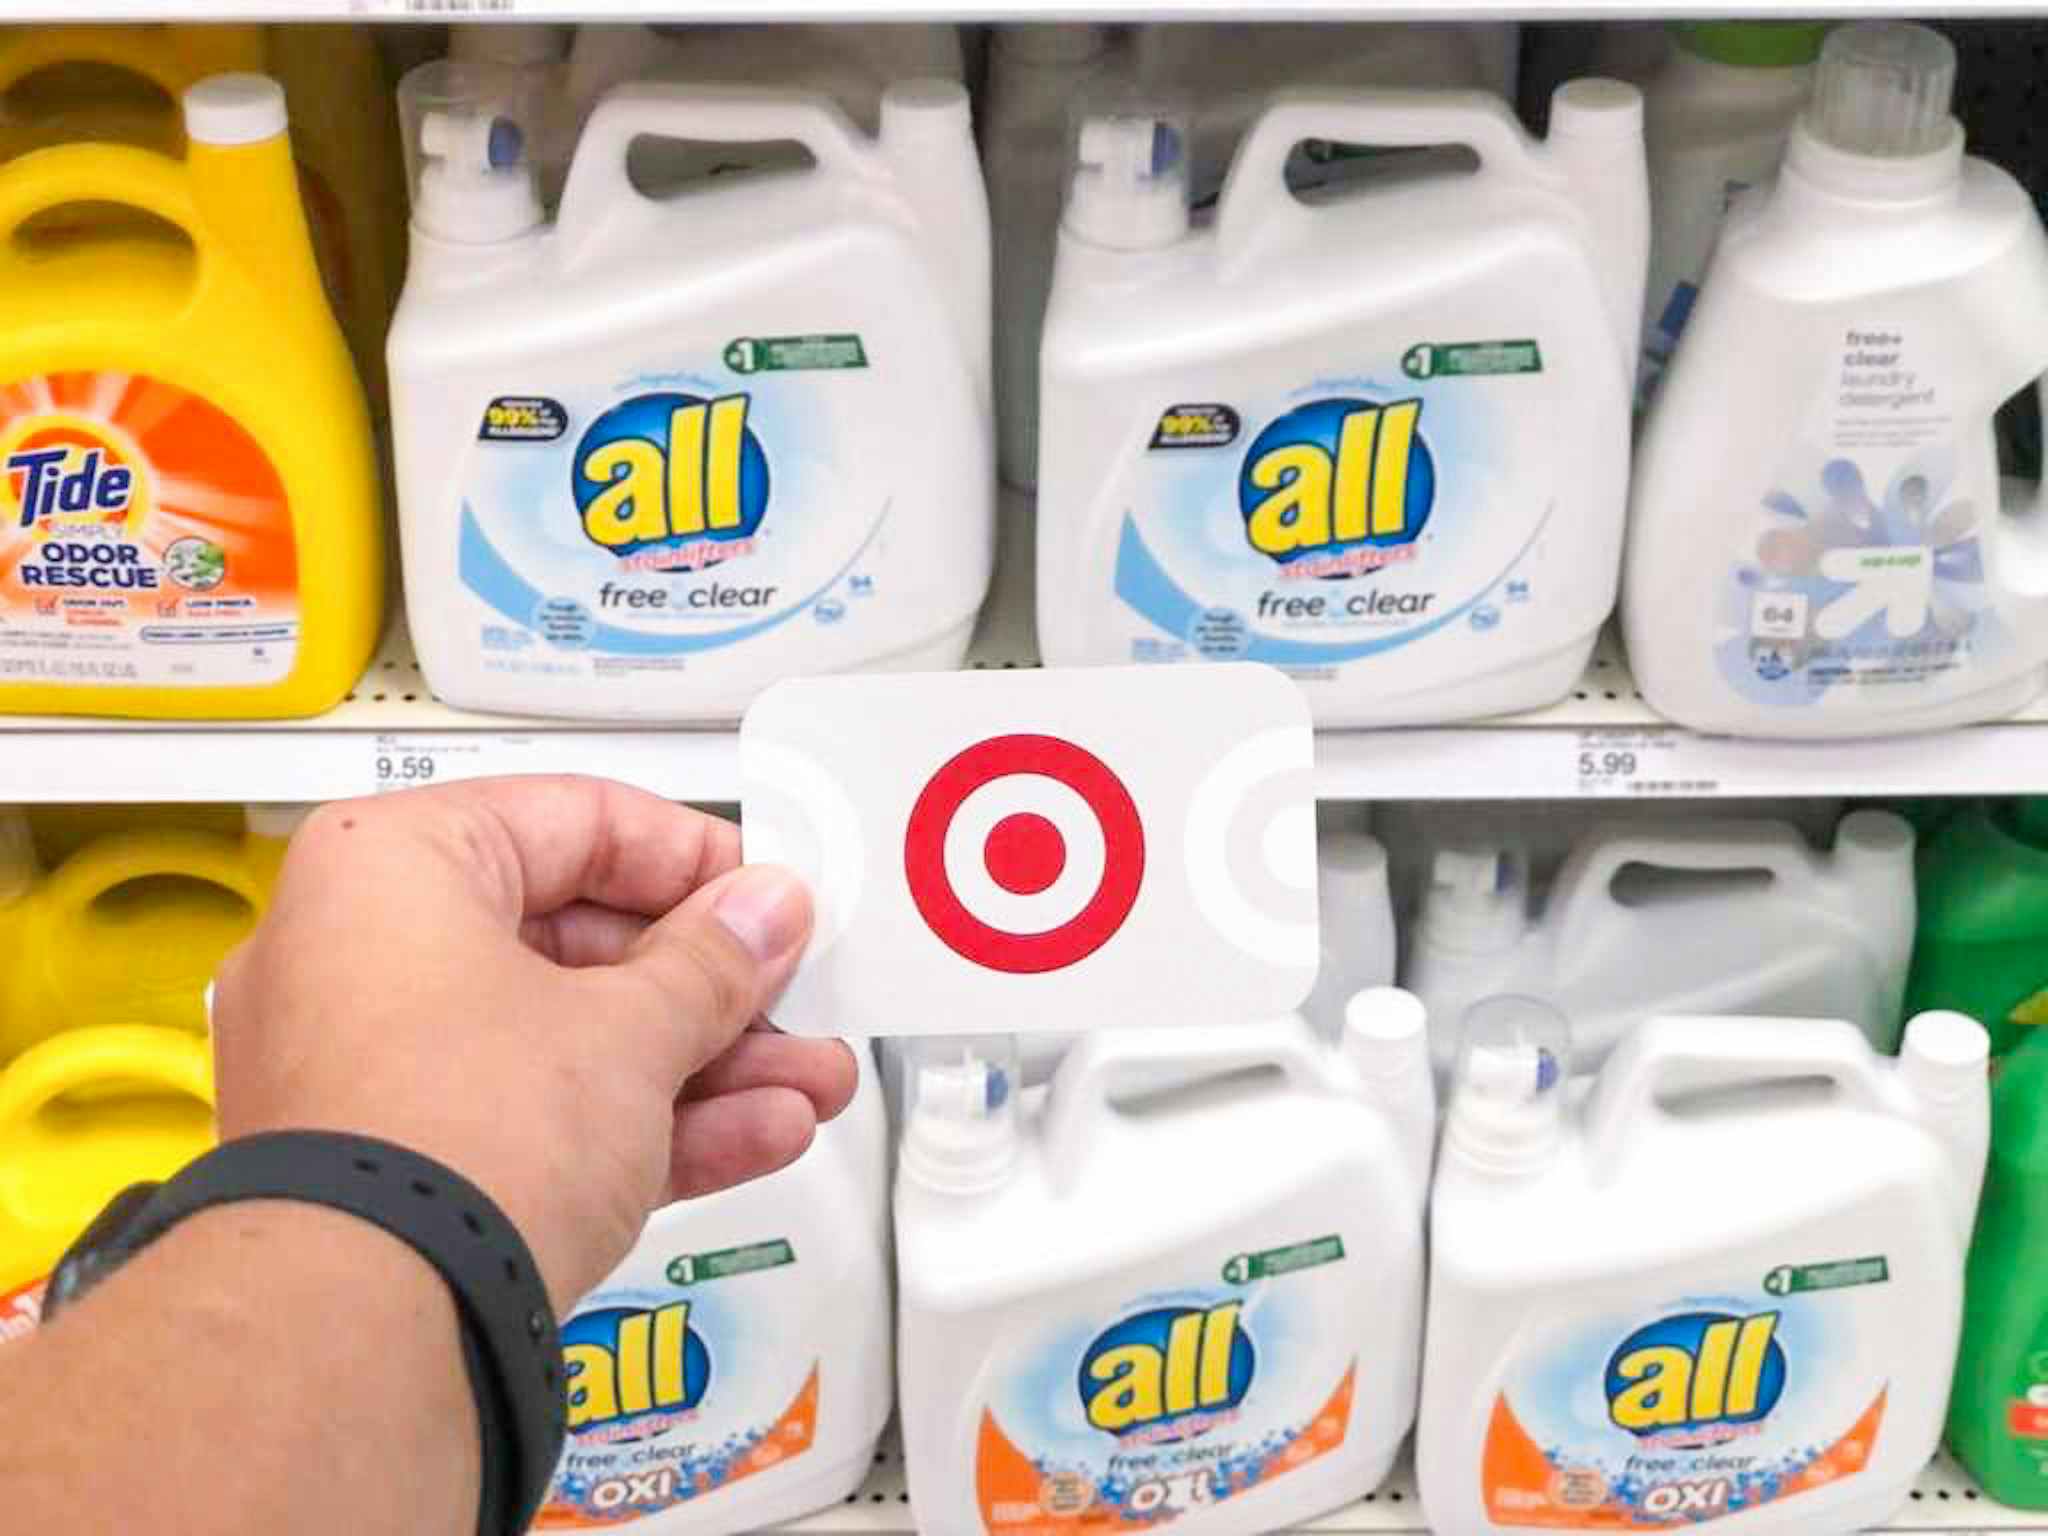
509 1341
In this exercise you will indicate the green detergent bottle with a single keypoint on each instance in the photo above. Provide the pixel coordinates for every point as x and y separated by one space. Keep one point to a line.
1998 1413
1982 942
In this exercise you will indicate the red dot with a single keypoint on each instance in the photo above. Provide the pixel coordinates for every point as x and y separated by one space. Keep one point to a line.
1024 853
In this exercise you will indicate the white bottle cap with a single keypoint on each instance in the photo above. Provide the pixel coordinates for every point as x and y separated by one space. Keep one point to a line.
1386 1033
1596 108
475 185
18 863
1883 88
1945 1055
1507 1108
234 109
1130 185
1477 901
960 1129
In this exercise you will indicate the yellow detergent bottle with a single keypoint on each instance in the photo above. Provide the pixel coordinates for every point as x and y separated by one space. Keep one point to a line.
83 1116
189 520
121 83
129 929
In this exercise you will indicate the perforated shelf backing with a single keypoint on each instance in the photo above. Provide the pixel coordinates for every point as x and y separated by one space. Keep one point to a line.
1943 1500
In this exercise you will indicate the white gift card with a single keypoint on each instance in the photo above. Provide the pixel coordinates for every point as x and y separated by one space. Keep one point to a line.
1015 851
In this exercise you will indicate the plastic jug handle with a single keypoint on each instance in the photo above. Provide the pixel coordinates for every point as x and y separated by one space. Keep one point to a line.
1667 1056
114 860
1255 193
136 50
1106 1062
1583 894
598 185
99 173
172 1060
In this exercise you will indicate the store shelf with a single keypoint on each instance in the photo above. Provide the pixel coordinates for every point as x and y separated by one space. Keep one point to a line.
392 732
1944 1499
976 10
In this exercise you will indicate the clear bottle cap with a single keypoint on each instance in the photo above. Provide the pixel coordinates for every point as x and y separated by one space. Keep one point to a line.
1130 185
1478 898
1507 1111
960 1127
467 132
1883 89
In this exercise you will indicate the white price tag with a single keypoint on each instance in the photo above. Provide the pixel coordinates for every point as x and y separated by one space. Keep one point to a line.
412 761
1635 762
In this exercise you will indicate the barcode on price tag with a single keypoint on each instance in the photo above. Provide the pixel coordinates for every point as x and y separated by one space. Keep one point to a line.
1635 763
410 762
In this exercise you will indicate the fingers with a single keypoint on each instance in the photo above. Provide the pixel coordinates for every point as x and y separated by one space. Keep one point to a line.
823 1071
739 1136
584 933
533 844
696 978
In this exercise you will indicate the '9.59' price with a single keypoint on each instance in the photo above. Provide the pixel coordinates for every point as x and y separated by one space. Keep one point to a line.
395 769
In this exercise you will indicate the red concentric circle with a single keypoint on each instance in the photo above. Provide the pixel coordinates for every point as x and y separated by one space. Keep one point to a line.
1024 853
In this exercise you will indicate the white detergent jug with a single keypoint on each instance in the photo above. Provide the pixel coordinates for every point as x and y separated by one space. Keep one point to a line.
1038 77
1113 1318
660 453
1816 545
1220 74
1715 120
735 1370
1682 917
1726 1284
853 64
1380 441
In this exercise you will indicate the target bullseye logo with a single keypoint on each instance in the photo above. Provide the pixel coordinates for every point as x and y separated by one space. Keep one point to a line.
1024 853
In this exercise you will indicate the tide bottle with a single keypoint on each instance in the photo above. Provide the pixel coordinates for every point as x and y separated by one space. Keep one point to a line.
733 435
189 519
1651 1305
734 1371
83 1115
129 928
1379 440
120 83
1118 1320
1817 545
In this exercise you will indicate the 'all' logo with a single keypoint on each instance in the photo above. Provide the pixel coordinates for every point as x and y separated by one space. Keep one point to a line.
1167 1373
1692 1377
1335 476
671 471
624 1364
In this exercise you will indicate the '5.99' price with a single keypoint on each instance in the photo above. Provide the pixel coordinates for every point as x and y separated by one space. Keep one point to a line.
1607 765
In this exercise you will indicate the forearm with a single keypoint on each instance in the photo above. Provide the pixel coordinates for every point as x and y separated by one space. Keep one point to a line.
263 1367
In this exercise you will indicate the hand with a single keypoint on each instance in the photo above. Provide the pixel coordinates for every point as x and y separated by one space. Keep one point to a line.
552 985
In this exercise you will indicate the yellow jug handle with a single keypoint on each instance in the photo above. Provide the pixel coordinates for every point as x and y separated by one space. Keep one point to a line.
114 860
44 179
144 1055
169 57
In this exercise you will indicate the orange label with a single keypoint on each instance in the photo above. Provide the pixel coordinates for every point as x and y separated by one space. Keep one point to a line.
145 538
1523 1486
582 1502
1019 1497
21 1309
2025 1420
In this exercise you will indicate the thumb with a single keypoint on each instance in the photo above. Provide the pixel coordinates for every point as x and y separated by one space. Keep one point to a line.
702 974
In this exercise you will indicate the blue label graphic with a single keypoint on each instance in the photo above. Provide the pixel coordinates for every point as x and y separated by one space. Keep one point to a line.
1693 1373
1171 1367
671 472
628 1364
1337 475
